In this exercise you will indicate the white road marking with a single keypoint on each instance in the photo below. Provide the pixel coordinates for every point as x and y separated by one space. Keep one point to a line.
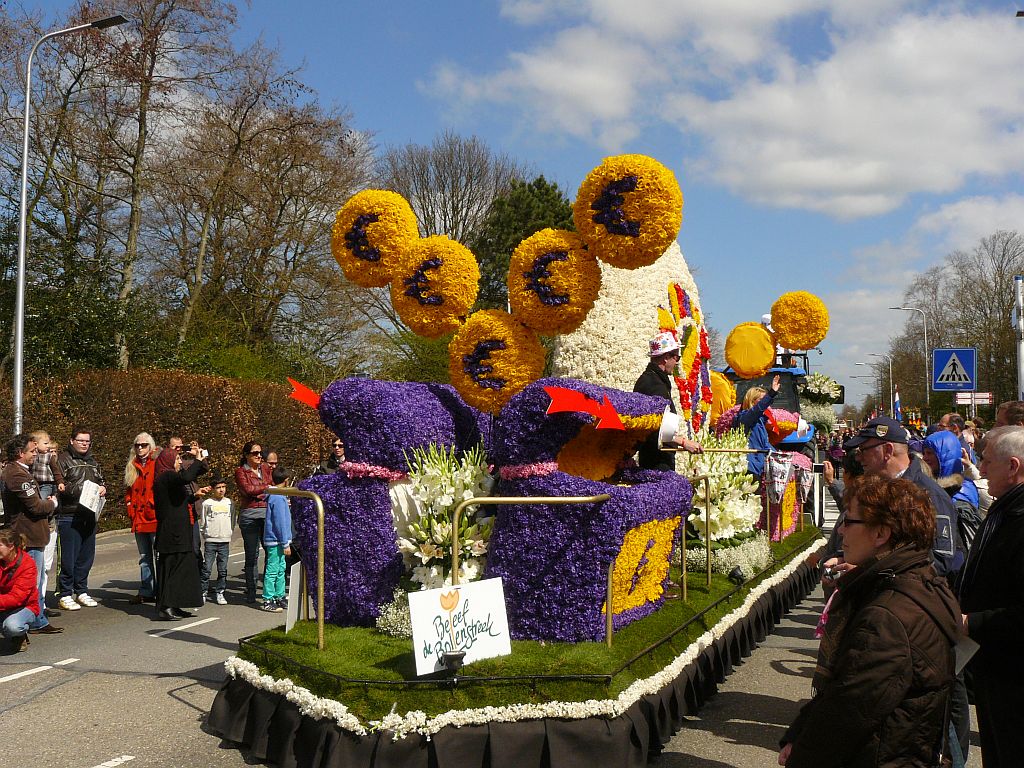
34 670
26 673
180 628
116 761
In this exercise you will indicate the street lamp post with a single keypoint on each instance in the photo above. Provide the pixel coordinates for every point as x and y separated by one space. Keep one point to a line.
927 374
19 297
878 380
892 397
874 379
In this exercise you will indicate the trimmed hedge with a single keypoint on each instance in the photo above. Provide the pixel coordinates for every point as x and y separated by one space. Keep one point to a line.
222 414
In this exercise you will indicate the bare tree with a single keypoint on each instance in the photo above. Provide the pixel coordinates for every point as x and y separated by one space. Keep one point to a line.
451 184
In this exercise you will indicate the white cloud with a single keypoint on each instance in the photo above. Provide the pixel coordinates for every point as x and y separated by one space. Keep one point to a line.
961 225
903 96
583 86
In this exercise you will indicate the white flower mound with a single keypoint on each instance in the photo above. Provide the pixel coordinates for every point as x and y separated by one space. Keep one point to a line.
610 348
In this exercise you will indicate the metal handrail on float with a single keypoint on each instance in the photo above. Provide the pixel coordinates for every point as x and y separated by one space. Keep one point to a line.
497 500
288 491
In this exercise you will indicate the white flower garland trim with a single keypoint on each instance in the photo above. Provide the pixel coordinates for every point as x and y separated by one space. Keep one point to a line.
418 722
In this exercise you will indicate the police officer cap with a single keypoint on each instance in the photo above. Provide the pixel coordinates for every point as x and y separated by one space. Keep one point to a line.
881 428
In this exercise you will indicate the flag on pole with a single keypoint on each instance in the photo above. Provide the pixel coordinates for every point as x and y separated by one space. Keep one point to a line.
896 412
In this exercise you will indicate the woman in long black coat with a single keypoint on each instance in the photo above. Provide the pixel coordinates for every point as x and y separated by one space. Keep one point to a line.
178 579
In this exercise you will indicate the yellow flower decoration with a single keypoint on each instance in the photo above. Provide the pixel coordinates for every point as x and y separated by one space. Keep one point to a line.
723 396
800 320
492 357
435 286
369 235
597 454
642 564
628 210
750 350
552 281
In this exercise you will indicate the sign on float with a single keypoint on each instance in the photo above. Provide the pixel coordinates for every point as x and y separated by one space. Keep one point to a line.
469 617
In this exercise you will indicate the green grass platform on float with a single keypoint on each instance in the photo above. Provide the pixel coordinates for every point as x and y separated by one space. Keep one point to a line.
373 674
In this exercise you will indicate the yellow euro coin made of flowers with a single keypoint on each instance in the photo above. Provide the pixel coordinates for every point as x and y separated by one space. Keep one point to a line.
750 350
799 320
492 357
628 210
370 233
637 545
435 285
553 281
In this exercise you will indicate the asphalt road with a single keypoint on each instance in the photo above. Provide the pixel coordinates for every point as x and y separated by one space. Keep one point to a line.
119 685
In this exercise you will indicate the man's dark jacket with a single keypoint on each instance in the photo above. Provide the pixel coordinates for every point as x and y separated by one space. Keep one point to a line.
27 513
947 553
77 468
654 381
992 596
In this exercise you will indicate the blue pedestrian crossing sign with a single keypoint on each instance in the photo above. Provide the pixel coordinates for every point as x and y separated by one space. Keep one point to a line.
955 370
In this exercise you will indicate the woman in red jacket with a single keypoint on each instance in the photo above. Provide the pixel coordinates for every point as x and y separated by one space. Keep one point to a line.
252 478
19 592
139 473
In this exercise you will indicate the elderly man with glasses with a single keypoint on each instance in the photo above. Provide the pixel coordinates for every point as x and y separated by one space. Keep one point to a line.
76 523
992 600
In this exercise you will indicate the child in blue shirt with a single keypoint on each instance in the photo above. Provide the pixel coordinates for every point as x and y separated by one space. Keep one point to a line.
277 539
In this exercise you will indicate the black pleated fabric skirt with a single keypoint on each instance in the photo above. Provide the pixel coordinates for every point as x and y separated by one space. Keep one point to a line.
177 580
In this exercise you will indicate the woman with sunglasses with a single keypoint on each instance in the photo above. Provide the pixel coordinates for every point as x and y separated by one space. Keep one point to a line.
252 477
335 460
886 660
139 473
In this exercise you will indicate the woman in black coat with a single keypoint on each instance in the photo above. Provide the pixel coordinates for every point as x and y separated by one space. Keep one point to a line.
178 579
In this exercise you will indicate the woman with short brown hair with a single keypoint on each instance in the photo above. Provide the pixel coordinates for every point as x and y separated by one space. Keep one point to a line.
885 664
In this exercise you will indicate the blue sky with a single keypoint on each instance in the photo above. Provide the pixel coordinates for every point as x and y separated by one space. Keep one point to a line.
833 146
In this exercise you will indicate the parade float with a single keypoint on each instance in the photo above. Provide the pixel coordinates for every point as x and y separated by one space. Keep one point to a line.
510 504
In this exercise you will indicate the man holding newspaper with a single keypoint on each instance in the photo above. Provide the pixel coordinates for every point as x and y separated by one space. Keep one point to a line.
81 502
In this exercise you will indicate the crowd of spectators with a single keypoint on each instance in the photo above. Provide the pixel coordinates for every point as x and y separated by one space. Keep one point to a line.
976 548
183 527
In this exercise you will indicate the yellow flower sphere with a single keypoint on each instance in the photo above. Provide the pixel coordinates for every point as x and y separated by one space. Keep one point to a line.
435 285
800 320
628 210
552 281
750 350
370 233
492 357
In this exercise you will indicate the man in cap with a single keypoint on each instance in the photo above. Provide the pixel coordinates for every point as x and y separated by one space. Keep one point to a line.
656 380
881 446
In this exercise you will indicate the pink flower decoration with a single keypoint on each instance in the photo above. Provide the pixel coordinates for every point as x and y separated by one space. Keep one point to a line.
358 469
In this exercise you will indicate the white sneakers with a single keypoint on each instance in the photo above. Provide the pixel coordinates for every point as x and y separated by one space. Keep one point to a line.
67 603
221 600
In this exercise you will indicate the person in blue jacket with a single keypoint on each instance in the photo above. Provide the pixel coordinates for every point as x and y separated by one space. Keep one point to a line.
277 539
752 416
943 455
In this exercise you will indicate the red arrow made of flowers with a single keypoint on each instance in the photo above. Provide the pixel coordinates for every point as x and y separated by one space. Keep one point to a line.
303 394
564 400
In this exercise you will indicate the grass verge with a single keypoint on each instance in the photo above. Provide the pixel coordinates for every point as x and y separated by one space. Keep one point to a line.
367 655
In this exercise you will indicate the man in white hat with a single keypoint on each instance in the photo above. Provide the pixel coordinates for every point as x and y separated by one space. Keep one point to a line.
656 380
